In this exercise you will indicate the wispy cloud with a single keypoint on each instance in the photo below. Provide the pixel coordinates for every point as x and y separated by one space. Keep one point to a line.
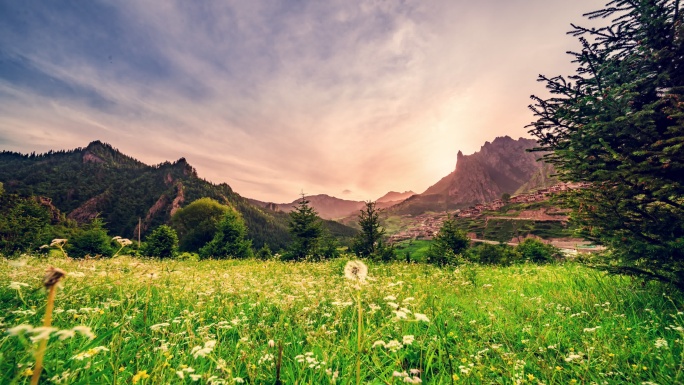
275 97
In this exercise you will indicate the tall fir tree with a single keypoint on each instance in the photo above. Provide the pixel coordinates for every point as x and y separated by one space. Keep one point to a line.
305 228
618 125
369 242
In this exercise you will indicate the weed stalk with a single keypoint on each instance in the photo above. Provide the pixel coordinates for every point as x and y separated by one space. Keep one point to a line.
52 277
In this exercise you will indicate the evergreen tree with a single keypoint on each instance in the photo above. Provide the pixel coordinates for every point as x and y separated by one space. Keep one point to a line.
368 243
229 240
23 223
618 124
448 243
306 231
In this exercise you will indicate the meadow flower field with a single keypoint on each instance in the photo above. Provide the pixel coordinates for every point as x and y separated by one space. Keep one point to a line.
133 321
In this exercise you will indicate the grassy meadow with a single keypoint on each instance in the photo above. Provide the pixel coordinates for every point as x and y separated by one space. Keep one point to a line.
226 322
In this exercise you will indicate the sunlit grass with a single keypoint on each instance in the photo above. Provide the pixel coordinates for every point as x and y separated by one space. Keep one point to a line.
223 321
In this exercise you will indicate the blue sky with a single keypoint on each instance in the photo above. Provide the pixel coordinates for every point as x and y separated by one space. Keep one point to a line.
348 98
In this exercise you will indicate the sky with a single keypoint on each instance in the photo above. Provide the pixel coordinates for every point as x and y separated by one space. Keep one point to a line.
339 97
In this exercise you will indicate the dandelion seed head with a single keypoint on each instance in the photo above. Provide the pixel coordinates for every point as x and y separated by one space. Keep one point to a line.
356 271
52 276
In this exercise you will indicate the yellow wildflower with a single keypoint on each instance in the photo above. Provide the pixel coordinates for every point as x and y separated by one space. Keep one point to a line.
141 375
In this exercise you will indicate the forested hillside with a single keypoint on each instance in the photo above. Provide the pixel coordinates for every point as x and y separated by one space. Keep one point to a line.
98 180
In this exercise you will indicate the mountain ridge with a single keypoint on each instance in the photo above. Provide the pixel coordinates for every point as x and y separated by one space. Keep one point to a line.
327 206
504 165
100 181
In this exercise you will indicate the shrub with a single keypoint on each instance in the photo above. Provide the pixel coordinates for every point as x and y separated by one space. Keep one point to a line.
384 253
329 248
538 252
488 254
264 253
161 243
90 241
197 223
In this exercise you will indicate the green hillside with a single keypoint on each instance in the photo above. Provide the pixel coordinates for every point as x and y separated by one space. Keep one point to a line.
98 180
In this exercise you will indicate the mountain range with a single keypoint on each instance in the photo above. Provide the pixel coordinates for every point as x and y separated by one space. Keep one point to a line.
98 180
329 207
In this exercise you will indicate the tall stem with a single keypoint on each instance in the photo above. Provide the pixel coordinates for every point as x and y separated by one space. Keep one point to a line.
359 338
43 343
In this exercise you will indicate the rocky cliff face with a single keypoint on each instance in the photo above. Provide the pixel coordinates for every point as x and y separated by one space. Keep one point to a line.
502 166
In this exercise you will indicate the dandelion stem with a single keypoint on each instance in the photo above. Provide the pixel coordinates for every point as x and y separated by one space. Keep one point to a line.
359 336
43 343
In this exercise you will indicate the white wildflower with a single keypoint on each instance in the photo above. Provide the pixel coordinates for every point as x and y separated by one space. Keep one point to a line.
408 340
159 326
42 333
399 314
19 329
421 317
89 353
84 331
573 357
58 242
393 345
122 241
202 351
64 334
17 285
661 343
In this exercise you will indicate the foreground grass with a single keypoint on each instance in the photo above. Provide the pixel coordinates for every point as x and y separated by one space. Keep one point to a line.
224 321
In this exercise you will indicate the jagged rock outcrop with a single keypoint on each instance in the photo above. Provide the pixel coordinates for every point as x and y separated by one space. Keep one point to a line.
502 166
90 209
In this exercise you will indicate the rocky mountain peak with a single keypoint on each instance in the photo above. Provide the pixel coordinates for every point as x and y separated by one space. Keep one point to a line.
501 166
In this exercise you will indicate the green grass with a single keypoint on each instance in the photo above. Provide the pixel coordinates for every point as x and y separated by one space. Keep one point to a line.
416 248
557 324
